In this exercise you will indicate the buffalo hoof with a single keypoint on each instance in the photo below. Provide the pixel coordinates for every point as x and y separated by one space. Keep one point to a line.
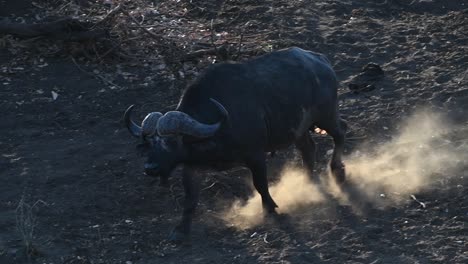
178 237
338 171
269 208
164 184
269 211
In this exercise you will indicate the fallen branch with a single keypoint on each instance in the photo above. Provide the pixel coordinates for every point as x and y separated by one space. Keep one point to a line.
147 31
209 187
67 29
198 53
423 205
109 16
212 38
110 83
222 51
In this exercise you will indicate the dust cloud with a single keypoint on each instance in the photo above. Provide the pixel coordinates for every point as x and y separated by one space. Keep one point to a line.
419 155
294 189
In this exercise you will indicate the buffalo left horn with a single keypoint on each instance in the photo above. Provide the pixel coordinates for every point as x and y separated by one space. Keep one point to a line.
149 124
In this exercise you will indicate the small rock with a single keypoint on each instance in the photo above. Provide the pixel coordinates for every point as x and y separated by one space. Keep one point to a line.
365 81
54 95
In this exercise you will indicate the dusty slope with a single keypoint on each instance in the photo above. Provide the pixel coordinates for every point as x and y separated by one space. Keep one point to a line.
74 155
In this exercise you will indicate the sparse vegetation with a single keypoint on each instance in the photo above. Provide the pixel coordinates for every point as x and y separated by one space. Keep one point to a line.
61 135
26 222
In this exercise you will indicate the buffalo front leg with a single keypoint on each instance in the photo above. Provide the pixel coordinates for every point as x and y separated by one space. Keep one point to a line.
192 189
257 166
164 181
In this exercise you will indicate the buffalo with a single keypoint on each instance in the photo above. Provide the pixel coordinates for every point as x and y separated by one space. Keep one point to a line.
238 113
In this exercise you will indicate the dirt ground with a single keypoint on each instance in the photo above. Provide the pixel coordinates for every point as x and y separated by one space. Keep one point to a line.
68 166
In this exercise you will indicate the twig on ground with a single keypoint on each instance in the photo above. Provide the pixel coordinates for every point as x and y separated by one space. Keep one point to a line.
199 53
221 52
26 223
95 75
423 205
212 39
66 29
356 137
209 187
147 31
239 46
293 233
109 16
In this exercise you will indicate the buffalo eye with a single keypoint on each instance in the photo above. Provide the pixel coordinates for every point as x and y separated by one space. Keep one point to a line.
143 148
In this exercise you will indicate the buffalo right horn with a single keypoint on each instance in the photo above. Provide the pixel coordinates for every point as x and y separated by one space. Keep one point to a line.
180 123
148 126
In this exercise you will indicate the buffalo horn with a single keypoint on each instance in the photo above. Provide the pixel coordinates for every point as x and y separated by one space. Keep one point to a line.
149 124
180 123
134 129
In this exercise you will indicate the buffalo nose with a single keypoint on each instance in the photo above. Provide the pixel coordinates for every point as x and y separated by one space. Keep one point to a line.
151 166
151 169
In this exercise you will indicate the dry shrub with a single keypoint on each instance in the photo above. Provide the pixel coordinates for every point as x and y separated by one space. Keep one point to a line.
26 222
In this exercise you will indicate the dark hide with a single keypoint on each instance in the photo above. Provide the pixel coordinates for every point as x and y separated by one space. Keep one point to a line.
273 101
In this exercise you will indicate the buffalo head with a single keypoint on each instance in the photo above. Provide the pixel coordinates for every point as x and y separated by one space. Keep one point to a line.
162 137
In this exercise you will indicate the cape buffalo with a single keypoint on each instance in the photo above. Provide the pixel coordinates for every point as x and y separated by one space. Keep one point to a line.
238 112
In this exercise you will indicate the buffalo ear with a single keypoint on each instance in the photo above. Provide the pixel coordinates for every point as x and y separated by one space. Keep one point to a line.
180 141
191 139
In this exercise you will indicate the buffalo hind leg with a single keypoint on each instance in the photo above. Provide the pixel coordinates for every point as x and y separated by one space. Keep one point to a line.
306 145
257 166
191 183
164 181
337 130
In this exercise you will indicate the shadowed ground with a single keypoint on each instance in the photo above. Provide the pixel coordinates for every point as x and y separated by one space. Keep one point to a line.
74 155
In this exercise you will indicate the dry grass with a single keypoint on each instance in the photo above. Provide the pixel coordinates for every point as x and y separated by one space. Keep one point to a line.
26 222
